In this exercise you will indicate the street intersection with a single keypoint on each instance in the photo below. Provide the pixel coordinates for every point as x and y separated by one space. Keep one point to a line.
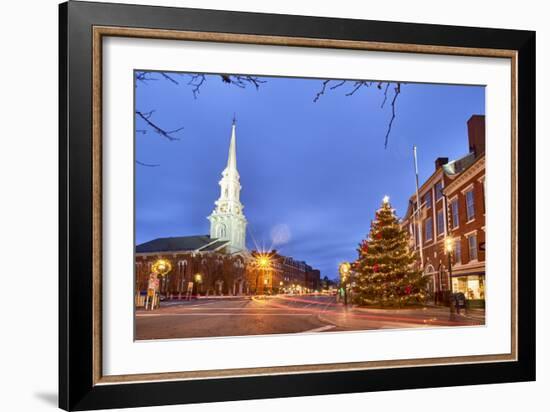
283 314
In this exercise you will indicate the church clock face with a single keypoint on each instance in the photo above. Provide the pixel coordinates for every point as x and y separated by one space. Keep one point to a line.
227 220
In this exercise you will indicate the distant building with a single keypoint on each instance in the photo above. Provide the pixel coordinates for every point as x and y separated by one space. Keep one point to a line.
313 278
452 206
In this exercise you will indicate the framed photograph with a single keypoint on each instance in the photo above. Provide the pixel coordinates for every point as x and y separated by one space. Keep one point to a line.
256 206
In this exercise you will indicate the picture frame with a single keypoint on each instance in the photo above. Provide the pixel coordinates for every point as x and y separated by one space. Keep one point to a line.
83 27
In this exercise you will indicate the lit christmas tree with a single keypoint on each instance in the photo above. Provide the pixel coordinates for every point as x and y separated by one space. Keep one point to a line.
384 272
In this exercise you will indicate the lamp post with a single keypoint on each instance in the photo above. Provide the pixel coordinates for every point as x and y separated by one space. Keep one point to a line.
344 270
198 281
449 246
263 264
161 267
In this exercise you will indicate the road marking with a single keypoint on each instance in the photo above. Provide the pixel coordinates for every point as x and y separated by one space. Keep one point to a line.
222 314
321 329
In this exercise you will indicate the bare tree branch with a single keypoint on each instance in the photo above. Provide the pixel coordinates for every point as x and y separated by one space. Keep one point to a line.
242 81
356 86
385 95
196 81
164 133
397 90
322 91
146 164
168 77
144 77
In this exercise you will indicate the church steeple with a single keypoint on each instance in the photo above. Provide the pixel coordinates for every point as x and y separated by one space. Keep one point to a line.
227 221
232 156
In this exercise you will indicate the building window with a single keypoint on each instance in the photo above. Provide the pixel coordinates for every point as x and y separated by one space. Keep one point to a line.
458 252
429 229
483 196
470 211
440 223
428 200
438 191
472 247
454 213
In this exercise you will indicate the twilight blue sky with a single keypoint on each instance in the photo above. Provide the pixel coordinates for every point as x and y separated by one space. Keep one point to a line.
316 170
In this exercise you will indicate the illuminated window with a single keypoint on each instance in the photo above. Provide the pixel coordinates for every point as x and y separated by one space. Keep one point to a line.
458 252
472 247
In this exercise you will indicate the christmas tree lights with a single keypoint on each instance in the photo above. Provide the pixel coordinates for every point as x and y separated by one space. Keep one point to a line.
384 270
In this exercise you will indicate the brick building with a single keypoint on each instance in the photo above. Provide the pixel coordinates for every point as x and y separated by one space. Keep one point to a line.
197 260
452 215
313 278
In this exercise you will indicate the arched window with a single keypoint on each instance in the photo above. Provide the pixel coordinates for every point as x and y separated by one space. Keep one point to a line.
222 232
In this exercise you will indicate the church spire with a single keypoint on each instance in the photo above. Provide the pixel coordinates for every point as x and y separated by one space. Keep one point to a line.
227 221
232 156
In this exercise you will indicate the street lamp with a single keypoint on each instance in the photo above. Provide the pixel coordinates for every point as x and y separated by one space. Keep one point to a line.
198 281
263 263
449 247
161 267
344 270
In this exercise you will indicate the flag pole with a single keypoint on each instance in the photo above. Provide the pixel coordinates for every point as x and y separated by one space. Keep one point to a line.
417 211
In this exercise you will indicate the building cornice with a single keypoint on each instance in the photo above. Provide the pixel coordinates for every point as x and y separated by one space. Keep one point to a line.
465 176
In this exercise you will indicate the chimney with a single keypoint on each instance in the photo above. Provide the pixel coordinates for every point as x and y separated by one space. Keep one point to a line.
476 134
440 161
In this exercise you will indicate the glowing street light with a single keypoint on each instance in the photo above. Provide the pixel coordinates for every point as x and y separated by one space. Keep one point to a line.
344 270
161 267
263 261
449 248
449 244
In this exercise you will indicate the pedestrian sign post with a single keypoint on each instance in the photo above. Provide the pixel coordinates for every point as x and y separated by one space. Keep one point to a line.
189 291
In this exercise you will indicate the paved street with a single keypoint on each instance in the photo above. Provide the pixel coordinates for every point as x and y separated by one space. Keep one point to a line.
282 314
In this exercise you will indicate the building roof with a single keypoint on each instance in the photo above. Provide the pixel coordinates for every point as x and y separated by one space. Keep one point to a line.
181 243
459 165
215 245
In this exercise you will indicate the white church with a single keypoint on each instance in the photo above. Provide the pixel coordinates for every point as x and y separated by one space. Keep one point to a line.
227 220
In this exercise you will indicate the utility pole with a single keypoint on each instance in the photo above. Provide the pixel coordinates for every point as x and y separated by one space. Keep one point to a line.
416 213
